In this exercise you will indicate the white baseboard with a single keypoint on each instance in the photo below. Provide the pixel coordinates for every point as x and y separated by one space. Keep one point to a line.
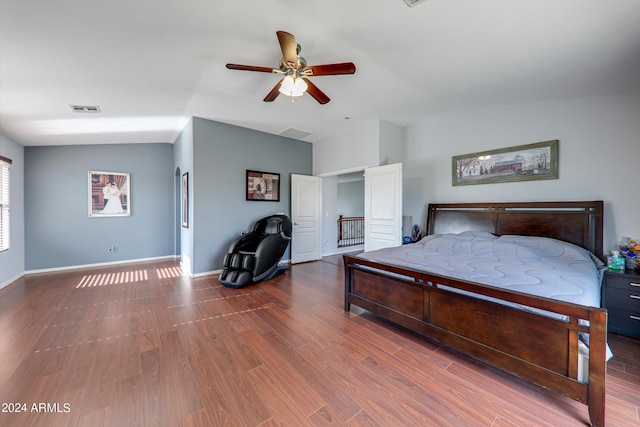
206 273
103 264
100 264
10 281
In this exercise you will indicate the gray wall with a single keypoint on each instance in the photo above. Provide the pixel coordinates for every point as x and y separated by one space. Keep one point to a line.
330 214
12 260
339 198
183 163
351 198
221 155
58 230
598 149
598 155
391 144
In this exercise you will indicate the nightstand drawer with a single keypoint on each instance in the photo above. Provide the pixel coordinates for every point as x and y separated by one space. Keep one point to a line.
623 298
624 321
622 282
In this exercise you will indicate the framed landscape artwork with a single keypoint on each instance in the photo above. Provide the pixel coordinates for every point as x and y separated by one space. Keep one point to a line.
262 186
109 194
520 163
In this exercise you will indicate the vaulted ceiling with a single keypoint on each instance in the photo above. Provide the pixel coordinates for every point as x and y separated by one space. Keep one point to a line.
149 65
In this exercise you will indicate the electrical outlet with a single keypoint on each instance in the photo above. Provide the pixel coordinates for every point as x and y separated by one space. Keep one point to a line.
110 248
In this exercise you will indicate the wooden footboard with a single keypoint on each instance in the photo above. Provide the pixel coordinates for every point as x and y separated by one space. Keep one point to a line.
474 320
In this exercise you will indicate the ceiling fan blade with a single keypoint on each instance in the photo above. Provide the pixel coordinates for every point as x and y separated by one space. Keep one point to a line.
330 69
274 93
249 68
316 93
289 47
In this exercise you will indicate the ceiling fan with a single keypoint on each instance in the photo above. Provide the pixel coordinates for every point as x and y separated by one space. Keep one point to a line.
295 70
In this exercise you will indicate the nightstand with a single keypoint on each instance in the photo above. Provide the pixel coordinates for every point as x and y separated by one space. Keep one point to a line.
621 298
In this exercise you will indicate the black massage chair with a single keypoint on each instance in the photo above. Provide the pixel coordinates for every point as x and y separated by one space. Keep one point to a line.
254 255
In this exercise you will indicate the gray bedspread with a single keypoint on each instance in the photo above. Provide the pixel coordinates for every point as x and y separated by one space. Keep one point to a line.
533 265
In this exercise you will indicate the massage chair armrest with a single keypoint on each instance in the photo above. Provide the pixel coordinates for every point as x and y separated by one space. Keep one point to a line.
269 252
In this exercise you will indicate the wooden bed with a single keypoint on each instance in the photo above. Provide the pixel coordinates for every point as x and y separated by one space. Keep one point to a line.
534 347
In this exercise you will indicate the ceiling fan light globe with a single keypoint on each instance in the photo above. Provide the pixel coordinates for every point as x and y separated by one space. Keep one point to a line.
293 87
299 87
287 85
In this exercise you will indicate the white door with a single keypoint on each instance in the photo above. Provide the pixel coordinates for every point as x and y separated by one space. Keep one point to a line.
306 216
383 206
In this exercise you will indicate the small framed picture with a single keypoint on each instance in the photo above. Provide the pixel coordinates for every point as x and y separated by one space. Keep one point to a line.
109 194
263 186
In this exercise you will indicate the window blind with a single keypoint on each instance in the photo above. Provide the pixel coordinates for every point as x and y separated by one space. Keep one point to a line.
4 203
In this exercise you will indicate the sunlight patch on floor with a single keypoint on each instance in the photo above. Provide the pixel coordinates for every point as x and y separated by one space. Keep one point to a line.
107 279
168 272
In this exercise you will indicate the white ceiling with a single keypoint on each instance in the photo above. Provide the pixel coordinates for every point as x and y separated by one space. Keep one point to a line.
151 64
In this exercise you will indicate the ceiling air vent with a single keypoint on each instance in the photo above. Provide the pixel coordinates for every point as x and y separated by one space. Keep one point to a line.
412 3
294 133
85 108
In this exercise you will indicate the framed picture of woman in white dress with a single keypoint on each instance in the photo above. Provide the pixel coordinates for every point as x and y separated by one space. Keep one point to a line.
109 194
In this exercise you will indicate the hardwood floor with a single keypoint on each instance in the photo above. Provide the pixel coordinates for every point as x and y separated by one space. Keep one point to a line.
141 345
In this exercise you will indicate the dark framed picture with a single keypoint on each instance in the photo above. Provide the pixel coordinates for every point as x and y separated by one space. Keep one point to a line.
185 200
263 186
520 163
109 194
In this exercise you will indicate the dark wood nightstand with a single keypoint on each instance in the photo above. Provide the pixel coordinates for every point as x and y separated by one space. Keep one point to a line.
621 298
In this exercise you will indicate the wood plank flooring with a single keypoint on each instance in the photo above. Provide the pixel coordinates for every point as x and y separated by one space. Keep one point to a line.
144 345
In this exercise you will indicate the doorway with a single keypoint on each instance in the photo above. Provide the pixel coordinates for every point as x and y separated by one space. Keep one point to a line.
382 211
343 196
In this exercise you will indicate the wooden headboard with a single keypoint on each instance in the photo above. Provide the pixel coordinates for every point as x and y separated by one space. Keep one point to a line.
580 223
